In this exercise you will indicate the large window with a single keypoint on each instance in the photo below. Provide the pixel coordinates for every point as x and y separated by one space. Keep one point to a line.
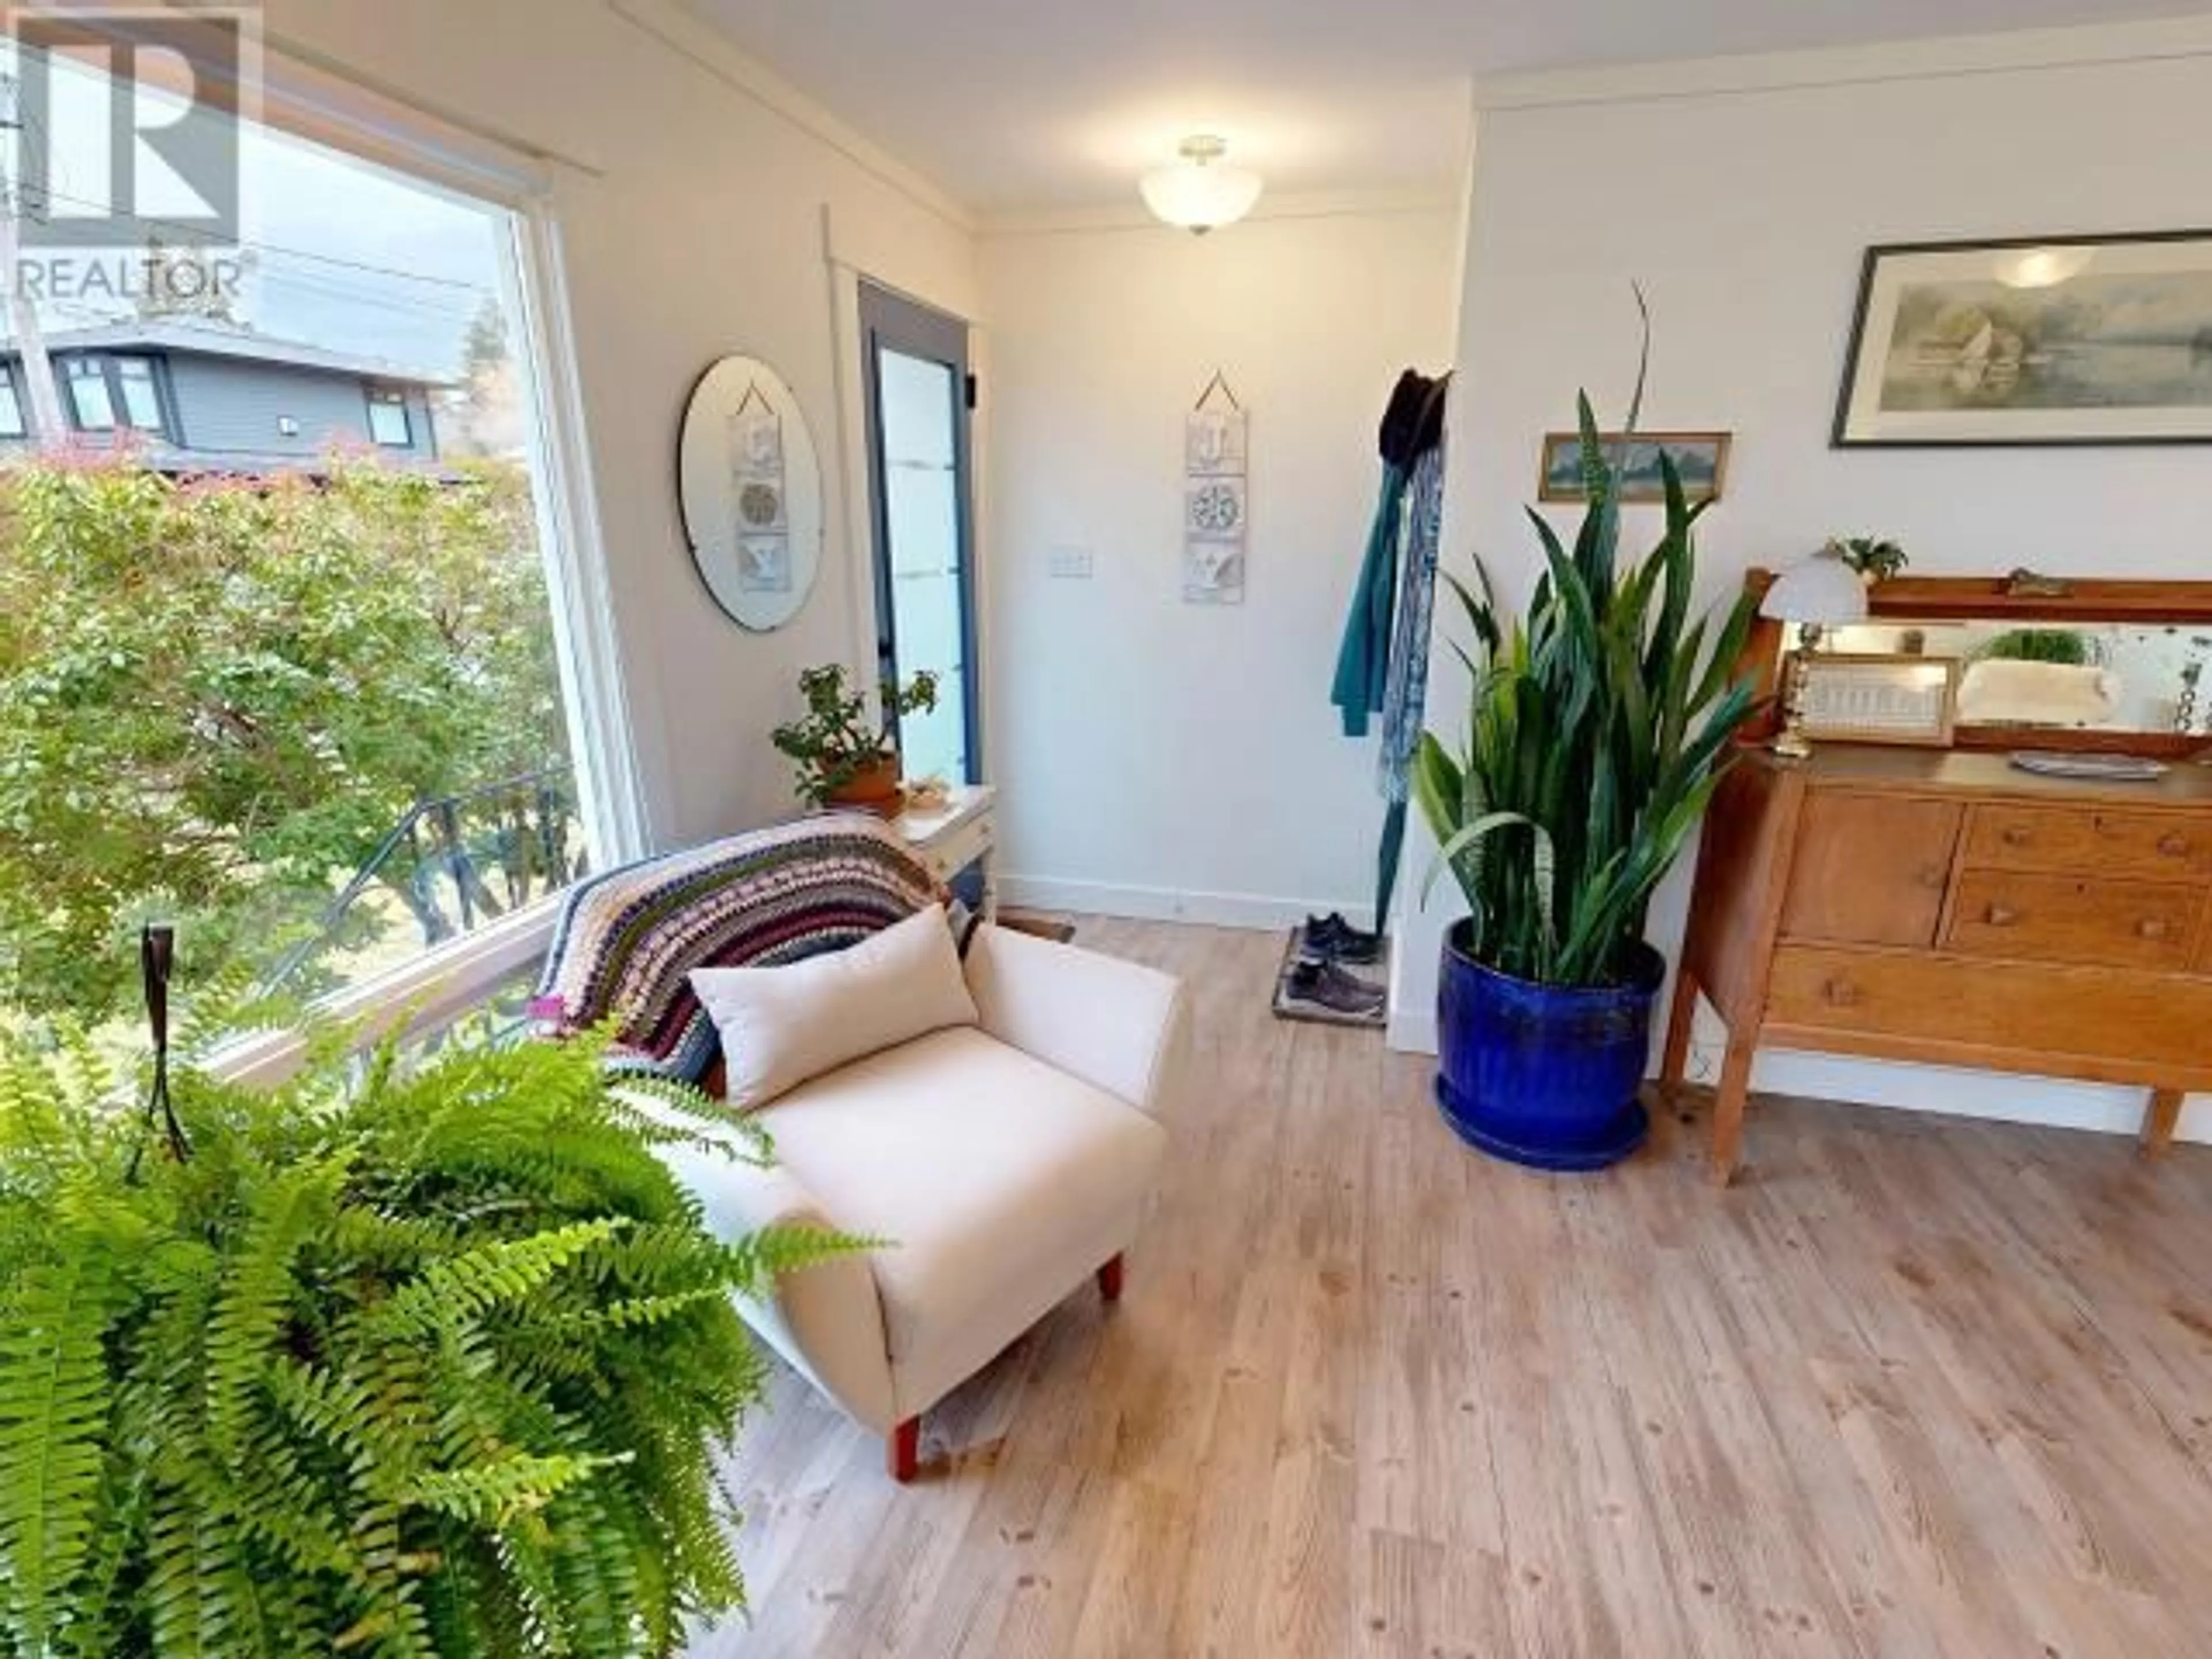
315 711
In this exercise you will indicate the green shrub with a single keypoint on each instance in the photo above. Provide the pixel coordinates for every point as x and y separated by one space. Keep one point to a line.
421 1363
218 697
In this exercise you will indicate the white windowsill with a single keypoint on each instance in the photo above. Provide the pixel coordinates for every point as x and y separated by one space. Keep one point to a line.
432 990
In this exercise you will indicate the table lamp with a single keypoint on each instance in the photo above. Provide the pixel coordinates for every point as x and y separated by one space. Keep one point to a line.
1817 594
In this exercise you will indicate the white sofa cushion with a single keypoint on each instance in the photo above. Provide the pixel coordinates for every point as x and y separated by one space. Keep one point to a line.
781 1025
998 1181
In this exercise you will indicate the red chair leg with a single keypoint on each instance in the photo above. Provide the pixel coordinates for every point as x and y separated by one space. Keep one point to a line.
904 1449
1109 1281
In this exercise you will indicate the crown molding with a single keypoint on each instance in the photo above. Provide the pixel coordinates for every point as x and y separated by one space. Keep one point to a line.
1441 197
680 28
2021 51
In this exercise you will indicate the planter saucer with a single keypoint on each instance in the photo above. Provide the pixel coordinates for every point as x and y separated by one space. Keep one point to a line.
1622 1138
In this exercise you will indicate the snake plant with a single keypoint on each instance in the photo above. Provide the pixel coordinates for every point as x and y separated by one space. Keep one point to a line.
1598 727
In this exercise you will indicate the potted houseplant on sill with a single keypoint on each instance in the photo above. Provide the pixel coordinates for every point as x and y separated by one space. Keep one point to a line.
1598 727
842 756
400 1360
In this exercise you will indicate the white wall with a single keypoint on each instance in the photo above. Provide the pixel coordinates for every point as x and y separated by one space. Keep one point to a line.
1157 757
1741 196
691 206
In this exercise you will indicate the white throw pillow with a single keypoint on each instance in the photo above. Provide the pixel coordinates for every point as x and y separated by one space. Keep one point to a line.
780 1026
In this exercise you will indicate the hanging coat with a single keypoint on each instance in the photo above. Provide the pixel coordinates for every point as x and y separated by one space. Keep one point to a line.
1363 661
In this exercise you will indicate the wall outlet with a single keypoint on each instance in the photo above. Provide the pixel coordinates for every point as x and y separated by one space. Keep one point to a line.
1070 563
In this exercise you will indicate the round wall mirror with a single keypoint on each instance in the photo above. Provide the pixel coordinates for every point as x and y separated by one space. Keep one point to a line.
751 493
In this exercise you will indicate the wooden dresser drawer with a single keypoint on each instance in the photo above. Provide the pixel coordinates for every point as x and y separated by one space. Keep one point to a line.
2020 1016
2093 840
2028 915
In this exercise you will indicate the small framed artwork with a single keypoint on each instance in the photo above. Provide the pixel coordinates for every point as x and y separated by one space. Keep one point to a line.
2047 340
1881 698
1700 459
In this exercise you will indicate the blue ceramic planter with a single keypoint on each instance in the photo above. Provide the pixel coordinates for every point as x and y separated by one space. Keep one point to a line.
1543 1075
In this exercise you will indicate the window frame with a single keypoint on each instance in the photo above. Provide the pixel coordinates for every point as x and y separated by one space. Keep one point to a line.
117 363
11 385
80 369
308 101
392 397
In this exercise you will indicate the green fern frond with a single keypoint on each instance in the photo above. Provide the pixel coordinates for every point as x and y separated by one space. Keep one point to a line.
401 1362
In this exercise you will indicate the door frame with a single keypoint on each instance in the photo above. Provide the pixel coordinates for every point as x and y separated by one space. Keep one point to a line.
892 320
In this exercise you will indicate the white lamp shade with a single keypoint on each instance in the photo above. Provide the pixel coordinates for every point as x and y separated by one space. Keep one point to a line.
1199 196
1821 590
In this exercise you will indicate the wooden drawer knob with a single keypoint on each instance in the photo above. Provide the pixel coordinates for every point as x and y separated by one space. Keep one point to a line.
2153 927
1999 916
2174 845
2018 834
1840 994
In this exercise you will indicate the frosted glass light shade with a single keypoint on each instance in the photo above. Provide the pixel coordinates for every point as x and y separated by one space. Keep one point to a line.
1822 590
1197 193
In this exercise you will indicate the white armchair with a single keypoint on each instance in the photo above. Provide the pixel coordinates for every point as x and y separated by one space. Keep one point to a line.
1006 1162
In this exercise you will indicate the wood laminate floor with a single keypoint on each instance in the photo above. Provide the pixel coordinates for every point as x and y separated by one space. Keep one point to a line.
1915 1387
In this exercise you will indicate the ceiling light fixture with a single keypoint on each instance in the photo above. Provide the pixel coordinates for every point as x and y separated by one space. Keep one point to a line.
1197 193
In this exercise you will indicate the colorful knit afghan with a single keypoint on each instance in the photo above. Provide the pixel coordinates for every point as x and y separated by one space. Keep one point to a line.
629 938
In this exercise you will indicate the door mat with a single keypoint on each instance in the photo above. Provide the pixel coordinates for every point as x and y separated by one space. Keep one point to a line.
1361 987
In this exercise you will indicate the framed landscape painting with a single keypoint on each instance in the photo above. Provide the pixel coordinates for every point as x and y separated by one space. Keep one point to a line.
2051 340
1700 459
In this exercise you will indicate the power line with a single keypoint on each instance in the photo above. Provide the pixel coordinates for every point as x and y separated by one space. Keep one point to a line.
195 235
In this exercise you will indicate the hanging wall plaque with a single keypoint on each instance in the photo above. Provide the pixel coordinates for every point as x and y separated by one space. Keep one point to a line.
1216 456
763 532
751 493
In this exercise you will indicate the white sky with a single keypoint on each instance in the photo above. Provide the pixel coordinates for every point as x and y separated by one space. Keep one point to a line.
418 264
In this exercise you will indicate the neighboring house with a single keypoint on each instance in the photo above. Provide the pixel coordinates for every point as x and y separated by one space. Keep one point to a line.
219 399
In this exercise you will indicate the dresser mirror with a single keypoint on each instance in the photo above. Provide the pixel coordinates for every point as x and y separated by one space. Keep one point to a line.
2049 663
2043 678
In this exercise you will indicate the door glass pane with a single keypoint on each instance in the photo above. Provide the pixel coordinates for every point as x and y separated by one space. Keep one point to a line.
921 514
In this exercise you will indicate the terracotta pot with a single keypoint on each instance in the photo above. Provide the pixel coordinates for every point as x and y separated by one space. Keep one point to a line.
873 790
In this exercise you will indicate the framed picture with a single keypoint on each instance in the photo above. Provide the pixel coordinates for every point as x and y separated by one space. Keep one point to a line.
1881 698
2049 340
1700 457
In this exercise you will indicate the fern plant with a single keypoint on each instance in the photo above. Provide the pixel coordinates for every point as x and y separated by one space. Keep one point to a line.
398 1362
1598 727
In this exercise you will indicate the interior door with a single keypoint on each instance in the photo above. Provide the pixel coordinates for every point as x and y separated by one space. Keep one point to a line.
921 491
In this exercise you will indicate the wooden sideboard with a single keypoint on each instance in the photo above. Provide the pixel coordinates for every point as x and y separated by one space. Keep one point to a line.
1946 907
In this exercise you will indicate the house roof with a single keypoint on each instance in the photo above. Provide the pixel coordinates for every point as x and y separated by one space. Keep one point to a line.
171 334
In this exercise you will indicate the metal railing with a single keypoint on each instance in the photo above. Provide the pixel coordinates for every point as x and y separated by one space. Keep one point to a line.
452 872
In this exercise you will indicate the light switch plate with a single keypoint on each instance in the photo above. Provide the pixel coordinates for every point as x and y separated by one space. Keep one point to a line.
1070 563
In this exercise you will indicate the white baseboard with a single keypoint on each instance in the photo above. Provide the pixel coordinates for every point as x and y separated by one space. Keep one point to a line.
1411 1033
1997 1097
1254 911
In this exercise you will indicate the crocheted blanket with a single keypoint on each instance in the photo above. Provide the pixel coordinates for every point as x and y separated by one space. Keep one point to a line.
627 939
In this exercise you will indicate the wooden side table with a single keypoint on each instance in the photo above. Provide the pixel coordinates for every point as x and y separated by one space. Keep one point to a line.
962 831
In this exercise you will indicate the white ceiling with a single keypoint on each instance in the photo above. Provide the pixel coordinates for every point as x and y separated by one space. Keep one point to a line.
1019 105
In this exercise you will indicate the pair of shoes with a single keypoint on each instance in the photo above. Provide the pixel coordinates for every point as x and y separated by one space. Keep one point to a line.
1333 936
1321 982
